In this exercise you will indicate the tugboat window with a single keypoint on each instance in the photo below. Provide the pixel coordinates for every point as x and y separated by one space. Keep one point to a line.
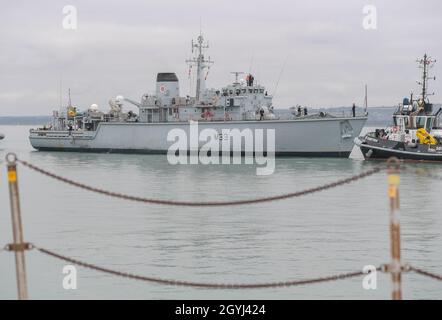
429 125
420 122
399 121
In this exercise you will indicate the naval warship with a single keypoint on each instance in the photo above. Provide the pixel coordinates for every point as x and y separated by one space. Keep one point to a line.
242 105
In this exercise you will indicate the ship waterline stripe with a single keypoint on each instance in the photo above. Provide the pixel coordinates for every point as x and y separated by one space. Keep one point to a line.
367 146
320 154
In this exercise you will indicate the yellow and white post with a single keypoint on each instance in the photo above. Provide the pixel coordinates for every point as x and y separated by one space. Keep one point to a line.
395 267
18 246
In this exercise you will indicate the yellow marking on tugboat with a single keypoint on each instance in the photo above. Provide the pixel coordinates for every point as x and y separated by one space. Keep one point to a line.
425 137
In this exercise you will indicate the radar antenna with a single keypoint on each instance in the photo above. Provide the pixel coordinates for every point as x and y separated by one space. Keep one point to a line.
236 73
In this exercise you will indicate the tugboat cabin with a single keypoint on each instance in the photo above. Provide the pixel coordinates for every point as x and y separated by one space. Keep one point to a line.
410 119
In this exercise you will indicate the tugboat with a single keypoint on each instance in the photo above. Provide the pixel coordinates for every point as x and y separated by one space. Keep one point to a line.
416 133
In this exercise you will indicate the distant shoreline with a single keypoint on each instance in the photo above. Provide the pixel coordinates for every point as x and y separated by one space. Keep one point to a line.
25 120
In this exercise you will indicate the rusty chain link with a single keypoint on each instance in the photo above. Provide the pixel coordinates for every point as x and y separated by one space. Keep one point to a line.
426 273
202 284
207 203
382 268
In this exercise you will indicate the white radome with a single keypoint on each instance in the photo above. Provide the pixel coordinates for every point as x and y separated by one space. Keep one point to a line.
93 107
119 99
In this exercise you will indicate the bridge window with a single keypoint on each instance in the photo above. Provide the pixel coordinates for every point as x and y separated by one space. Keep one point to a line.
149 115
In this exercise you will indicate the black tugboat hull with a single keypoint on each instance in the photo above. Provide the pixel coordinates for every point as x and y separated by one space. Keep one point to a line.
386 149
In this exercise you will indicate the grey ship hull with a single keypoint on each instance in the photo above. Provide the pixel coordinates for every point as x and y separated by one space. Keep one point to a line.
329 137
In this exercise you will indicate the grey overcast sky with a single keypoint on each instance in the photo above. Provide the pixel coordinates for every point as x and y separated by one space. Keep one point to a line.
119 47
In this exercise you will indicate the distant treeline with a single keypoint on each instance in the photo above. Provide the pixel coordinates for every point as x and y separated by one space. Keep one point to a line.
376 116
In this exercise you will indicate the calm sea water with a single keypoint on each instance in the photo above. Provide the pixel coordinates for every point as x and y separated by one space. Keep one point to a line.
335 231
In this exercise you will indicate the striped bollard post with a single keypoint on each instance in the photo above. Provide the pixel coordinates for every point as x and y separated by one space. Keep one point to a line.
18 246
395 236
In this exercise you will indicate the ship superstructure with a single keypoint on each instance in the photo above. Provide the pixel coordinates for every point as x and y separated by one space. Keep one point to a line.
239 105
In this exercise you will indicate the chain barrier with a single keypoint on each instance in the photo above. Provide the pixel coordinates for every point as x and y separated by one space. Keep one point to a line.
396 267
162 281
290 283
426 273
207 203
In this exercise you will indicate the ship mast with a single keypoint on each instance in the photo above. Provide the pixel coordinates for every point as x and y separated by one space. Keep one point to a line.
366 100
201 63
426 63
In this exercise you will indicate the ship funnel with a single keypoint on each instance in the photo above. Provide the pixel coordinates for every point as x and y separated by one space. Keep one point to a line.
167 87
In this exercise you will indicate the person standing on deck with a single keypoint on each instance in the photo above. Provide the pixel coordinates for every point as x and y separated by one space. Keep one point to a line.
353 110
